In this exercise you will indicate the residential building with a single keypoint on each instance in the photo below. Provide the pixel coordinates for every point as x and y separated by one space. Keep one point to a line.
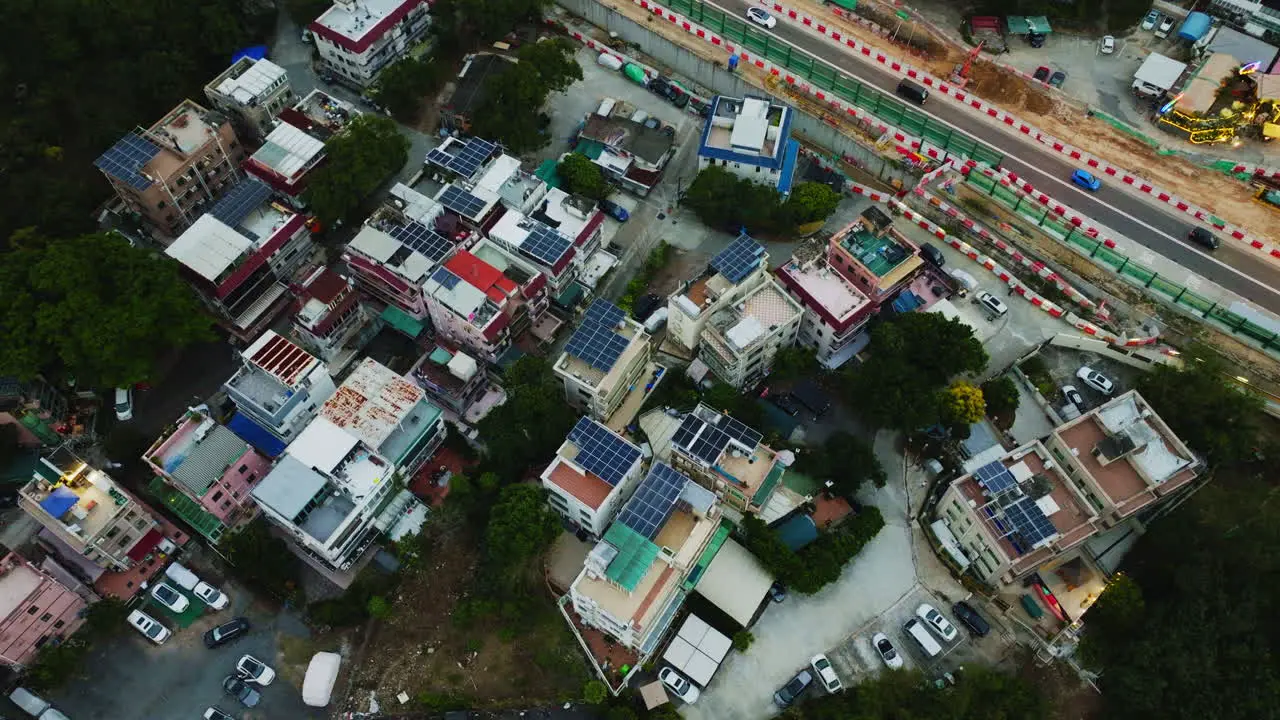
834 310
732 274
469 160
35 609
627 151
356 39
340 484
633 581
277 391
535 292
169 174
252 92
740 342
213 467
295 145
332 319
550 251
1040 501
727 457
470 303
751 138
877 259
607 366
452 378
594 472
84 509
241 257
1259 18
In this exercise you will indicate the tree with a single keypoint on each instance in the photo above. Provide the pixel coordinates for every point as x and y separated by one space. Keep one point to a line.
9 447
809 202
1002 398
594 692
304 12
357 161
981 694
521 528
459 25
742 640
846 460
262 560
530 425
1203 407
962 404
510 108
93 308
403 86
723 200
554 62
582 177
817 564
794 363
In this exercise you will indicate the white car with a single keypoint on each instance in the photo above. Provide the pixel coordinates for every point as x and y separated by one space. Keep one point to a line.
124 404
149 626
211 596
679 685
1108 45
887 652
170 598
217 713
935 620
253 670
826 674
1149 22
761 18
1166 26
1096 380
1072 396
993 305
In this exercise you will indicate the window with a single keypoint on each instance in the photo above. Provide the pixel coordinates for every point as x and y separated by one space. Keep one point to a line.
58 624
124 540
113 532
242 469
32 610
161 205
216 496
140 524
46 617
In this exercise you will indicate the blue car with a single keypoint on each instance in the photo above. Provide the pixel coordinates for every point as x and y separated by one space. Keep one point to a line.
614 210
1085 180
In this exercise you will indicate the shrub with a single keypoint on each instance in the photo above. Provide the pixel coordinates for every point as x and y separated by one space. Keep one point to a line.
594 692
742 640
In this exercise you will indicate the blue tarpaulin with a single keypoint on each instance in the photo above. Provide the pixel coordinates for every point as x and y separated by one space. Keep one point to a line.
257 52
907 301
59 501
253 433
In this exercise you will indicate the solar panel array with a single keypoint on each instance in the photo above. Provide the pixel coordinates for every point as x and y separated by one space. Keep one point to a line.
416 236
240 200
545 243
446 278
470 157
124 160
655 499
595 341
700 439
995 477
462 202
602 452
739 431
1029 521
738 260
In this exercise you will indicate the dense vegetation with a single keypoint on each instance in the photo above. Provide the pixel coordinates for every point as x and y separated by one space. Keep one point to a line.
530 425
356 163
980 693
724 200
581 176
510 109
817 564
846 460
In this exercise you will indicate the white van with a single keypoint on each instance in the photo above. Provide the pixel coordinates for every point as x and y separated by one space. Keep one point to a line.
917 631
182 576
34 705
322 674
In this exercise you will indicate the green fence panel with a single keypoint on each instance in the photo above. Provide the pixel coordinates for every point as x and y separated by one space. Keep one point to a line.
1107 257
802 64
1196 302
1225 317
961 145
980 181
912 124
1057 229
1005 196
778 53
983 154
936 134
1031 212
1165 287
1084 242
824 77
755 45
1257 332
686 8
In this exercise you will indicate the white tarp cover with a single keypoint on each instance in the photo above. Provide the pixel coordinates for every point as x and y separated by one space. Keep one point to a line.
697 650
735 582
322 673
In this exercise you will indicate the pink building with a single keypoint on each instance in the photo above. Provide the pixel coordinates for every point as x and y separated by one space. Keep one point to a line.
474 304
212 466
36 609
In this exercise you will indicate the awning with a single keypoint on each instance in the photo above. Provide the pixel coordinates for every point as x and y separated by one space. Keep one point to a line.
400 320
249 431
144 546
735 582
59 501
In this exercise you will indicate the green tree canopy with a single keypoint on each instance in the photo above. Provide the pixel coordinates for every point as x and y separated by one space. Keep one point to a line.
459 25
93 308
403 86
1002 398
1209 412
981 694
809 202
510 108
582 177
962 404
846 460
521 528
526 429
262 560
357 161
724 200
817 564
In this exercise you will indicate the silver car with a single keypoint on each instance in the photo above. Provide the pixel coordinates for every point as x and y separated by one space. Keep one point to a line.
935 620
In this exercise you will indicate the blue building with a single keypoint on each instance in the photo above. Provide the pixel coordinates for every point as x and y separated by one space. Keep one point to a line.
751 138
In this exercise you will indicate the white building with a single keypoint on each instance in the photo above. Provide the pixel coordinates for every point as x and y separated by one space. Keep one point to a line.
732 275
834 309
751 138
594 471
279 386
356 39
252 92
607 366
340 484
740 342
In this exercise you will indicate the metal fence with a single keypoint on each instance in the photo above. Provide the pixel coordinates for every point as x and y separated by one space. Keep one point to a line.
1122 265
852 91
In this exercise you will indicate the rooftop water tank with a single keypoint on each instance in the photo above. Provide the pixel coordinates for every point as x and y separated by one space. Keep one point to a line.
1194 27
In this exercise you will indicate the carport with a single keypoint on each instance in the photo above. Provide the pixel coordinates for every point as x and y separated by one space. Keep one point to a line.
736 583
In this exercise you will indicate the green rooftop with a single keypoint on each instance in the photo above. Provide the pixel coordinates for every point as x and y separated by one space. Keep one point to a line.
400 320
635 554
189 510
879 254
704 561
769 485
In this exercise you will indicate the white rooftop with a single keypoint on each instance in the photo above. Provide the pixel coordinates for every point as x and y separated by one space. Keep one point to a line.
498 172
354 20
751 126
747 331
1154 457
508 229
209 247
371 402
288 150
828 287
416 205
572 221
252 83
322 445
380 246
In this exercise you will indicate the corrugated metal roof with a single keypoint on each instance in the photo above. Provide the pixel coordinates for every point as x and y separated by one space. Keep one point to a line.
209 458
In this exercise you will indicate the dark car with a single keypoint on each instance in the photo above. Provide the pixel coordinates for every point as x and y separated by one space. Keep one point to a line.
226 632
786 403
793 690
240 690
778 592
614 210
644 306
932 254
1058 78
970 618
1200 236
1036 39
661 86
681 99
1041 73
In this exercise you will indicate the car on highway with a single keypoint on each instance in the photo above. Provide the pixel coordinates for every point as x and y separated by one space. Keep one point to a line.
1108 45
253 670
226 632
679 685
1042 73
1201 236
1072 396
792 691
761 18
211 596
1149 22
970 618
149 626
994 306
1166 25
1096 380
826 674
935 620
1058 78
1086 180
170 598
240 690
888 653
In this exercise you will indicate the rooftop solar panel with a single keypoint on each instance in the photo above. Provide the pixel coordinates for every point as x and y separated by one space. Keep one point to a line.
1030 522
445 278
739 431
545 244
738 260
462 202
650 508
471 157
995 477
602 452
596 340
688 430
240 200
710 444
420 238
439 158
604 312
124 160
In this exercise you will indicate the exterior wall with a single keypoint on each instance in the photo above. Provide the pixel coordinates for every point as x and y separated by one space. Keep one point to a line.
988 561
297 411
49 611
745 171
594 520
386 286
252 121
361 68
742 369
854 271
461 332
603 404
108 547
686 329
228 497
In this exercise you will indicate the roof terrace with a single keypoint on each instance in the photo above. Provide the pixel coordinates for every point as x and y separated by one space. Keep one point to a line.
373 403
248 80
84 499
838 299
737 329
325 115
197 453
879 254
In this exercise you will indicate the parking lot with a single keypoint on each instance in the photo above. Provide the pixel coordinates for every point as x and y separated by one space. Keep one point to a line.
1064 363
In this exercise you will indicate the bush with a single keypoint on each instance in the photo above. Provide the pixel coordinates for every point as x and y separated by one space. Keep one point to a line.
582 177
724 200
819 563
742 640
364 599
595 693
262 561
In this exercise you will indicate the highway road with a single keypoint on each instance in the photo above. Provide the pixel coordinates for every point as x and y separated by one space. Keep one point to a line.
1136 217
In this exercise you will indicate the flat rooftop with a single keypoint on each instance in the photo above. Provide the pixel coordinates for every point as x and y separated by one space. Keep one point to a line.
748 126
325 114
372 402
249 80
879 254
604 380
76 494
361 18
388 252
272 366
186 128
743 325
826 287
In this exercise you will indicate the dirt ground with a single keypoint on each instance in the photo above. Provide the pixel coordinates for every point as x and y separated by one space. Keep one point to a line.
1069 698
420 651
682 265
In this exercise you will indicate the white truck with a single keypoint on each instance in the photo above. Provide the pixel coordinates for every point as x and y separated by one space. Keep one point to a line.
1158 74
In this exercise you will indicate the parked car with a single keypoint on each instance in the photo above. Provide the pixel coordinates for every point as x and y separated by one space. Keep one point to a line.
777 592
792 691
211 596
935 620
614 210
1036 40
1201 236
170 598
1085 180
217 713
253 670
1096 380
679 685
659 86
124 404
932 254
1072 396
1108 45
1042 73
1165 26
970 618
761 18
888 653
181 576
226 632
1149 22
786 403
1058 78
992 304
149 626
826 674
240 690
307 37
